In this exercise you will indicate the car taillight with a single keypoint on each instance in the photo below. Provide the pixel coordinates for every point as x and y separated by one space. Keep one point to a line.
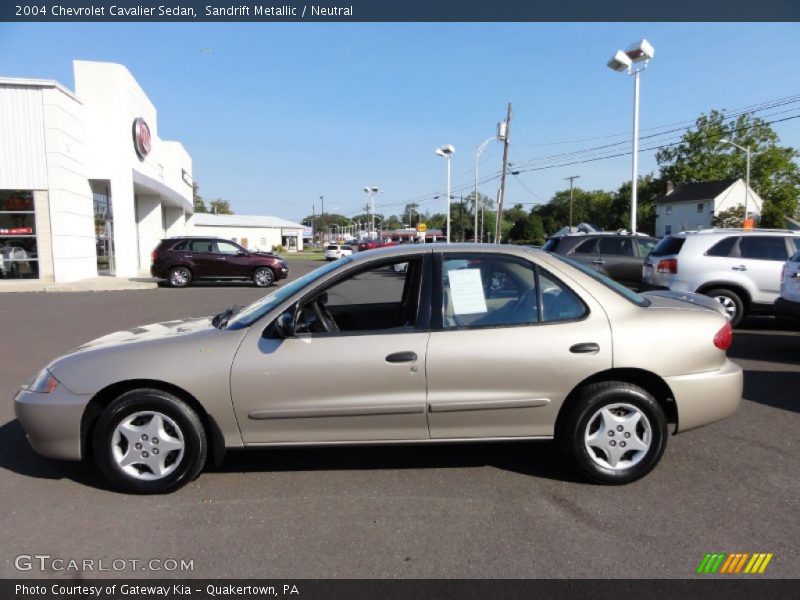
724 337
667 265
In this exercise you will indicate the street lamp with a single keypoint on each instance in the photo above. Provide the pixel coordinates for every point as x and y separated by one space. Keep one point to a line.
447 152
747 177
639 53
370 191
478 151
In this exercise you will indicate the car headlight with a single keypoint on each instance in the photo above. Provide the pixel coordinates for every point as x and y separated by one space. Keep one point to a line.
44 383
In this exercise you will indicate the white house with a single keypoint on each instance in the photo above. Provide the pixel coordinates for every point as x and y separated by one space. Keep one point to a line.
87 186
251 231
693 205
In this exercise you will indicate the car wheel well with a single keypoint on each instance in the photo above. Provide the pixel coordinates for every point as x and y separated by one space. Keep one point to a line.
646 380
737 289
107 395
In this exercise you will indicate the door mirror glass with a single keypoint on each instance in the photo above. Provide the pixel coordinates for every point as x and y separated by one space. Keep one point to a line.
284 325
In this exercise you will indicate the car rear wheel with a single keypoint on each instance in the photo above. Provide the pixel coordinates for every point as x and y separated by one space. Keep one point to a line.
731 302
615 434
149 442
180 277
263 277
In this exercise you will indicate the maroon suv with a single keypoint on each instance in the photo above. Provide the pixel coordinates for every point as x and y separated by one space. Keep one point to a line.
181 260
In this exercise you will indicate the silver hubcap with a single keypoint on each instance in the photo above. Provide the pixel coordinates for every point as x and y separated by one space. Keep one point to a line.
147 445
618 436
728 305
180 277
263 277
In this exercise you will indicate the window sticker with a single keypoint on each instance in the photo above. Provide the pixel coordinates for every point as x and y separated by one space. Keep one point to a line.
466 290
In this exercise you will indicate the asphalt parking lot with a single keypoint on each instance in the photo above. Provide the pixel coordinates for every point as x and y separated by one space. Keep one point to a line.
495 510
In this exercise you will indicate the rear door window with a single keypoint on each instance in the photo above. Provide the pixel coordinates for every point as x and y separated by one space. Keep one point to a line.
723 247
586 247
762 247
180 245
616 246
201 246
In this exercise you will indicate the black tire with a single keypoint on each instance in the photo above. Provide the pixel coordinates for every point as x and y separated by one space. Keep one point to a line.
179 277
731 302
184 467
263 277
584 415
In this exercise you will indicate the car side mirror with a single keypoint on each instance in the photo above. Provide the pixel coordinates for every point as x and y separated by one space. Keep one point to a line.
284 325
241 253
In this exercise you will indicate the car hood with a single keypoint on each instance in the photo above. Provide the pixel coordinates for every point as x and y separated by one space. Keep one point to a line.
683 301
154 331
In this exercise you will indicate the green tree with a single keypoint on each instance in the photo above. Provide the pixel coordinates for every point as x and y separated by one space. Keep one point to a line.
731 217
220 207
700 156
199 203
648 190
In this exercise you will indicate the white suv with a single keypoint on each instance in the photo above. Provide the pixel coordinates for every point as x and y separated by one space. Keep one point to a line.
336 251
740 268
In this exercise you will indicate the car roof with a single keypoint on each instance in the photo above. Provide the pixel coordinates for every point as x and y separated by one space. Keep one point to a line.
734 231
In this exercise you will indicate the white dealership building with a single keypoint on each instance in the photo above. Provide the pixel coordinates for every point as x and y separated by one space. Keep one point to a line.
87 186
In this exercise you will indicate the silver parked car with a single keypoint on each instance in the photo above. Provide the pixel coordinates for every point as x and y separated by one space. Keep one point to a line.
740 268
467 342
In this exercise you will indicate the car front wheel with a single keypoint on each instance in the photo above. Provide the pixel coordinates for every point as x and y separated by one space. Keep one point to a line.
616 433
263 277
149 442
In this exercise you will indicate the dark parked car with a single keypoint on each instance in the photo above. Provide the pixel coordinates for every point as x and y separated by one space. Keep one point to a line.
618 255
181 260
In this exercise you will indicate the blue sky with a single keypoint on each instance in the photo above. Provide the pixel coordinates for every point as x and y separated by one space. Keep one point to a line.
275 115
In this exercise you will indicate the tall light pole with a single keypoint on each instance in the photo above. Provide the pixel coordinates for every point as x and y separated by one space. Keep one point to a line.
571 179
478 151
747 177
447 152
639 53
370 191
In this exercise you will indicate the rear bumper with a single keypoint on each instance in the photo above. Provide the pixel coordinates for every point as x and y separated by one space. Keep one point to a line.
787 309
704 398
52 421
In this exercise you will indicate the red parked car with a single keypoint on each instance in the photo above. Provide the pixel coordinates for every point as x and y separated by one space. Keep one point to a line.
371 244
181 260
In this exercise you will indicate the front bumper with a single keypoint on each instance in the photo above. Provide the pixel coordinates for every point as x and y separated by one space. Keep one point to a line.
787 309
281 272
704 398
52 421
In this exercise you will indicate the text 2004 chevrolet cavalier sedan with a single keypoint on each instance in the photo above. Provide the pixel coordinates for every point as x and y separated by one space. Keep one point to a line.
455 343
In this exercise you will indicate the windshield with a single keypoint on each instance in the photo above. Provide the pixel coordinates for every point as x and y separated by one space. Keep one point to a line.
626 293
253 312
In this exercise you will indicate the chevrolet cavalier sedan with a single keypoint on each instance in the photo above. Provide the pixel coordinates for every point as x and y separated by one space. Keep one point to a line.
445 354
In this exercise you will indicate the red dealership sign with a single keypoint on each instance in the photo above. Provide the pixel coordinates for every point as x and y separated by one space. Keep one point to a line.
141 137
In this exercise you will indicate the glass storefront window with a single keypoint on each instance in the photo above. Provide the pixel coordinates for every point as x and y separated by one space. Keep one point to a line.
19 258
103 230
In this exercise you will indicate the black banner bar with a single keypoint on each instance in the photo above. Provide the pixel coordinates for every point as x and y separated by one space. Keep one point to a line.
712 587
397 11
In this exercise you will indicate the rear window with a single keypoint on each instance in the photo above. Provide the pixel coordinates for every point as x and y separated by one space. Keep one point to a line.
332 248
669 245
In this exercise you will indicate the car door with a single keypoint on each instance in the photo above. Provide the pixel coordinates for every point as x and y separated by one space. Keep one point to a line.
502 368
366 382
761 259
619 260
232 260
201 255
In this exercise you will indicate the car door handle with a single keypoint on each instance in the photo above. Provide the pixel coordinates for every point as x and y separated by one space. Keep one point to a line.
739 268
585 348
598 261
222 258
401 357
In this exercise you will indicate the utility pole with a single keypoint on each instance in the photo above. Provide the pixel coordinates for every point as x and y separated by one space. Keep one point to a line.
571 178
498 225
322 217
313 222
